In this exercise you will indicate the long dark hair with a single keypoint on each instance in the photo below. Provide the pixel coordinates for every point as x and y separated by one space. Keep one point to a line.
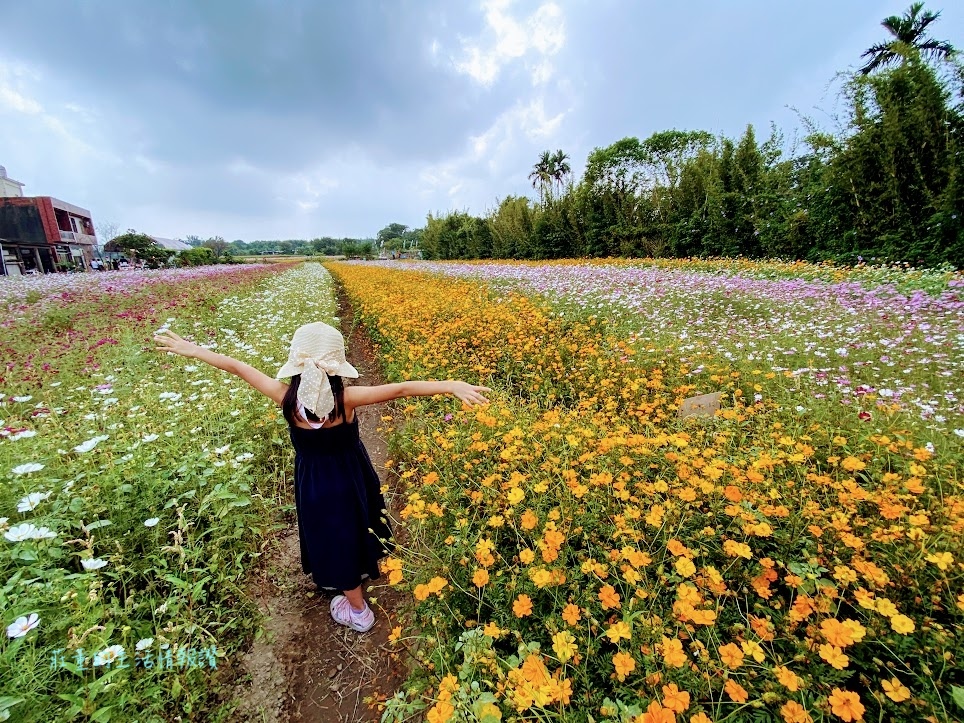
290 401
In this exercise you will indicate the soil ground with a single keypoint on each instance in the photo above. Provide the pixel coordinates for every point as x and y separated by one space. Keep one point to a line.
305 667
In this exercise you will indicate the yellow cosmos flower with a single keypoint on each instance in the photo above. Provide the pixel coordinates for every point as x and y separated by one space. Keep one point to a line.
563 644
902 624
685 567
943 560
619 631
480 578
834 656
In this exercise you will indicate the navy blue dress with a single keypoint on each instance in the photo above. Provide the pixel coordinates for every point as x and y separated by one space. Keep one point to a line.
342 518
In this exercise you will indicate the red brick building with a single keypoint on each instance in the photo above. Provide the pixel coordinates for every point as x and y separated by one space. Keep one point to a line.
41 234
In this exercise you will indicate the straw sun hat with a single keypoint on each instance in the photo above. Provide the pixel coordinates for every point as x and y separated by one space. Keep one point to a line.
317 351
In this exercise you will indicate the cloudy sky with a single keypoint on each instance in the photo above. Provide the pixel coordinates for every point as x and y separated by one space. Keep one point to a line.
267 119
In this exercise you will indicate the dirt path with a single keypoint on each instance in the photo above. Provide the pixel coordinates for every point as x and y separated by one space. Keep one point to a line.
306 667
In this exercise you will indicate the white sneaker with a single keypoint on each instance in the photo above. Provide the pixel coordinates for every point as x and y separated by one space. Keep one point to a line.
344 614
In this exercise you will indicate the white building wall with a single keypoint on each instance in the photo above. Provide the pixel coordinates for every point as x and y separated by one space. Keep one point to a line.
10 188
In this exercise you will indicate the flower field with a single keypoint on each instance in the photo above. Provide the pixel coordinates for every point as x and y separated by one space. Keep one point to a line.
137 487
577 552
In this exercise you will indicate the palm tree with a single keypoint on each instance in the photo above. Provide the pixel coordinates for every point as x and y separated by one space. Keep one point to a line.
541 175
909 32
560 168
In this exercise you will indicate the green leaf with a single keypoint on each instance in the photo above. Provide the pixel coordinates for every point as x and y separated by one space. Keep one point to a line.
957 693
102 714
98 523
7 702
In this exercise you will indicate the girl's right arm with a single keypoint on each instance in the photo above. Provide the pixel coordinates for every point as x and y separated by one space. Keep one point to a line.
362 396
271 388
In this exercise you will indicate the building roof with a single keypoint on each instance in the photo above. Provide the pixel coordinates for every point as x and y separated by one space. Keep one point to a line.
170 244
68 207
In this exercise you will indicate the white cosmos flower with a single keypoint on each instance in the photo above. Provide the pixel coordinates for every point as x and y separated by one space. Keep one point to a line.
25 434
23 625
93 564
222 450
144 643
959 432
152 521
44 533
28 468
31 501
109 655
90 444
23 399
173 396
244 456
24 531
188 368
149 438
929 447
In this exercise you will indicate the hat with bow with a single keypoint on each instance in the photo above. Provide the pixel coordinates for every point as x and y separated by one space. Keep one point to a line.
317 351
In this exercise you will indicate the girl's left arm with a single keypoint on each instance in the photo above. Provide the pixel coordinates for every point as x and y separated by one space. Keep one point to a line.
271 388
362 396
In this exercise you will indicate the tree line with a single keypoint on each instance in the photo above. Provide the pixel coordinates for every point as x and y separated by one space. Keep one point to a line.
887 185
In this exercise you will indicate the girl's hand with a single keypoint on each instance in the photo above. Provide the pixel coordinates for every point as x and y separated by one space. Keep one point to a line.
469 393
171 342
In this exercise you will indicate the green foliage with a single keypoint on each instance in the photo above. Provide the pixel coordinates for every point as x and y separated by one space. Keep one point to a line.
889 188
198 256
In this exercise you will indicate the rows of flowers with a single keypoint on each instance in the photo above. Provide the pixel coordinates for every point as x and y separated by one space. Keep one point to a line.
138 487
579 552
864 345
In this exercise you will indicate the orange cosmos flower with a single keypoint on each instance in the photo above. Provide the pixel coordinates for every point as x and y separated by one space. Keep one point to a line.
846 705
440 712
571 614
731 656
522 606
837 633
852 464
481 578
895 690
675 699
673 654
608 597
793 712
656 713
701 717
529 520
624 665
736 691
788 679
